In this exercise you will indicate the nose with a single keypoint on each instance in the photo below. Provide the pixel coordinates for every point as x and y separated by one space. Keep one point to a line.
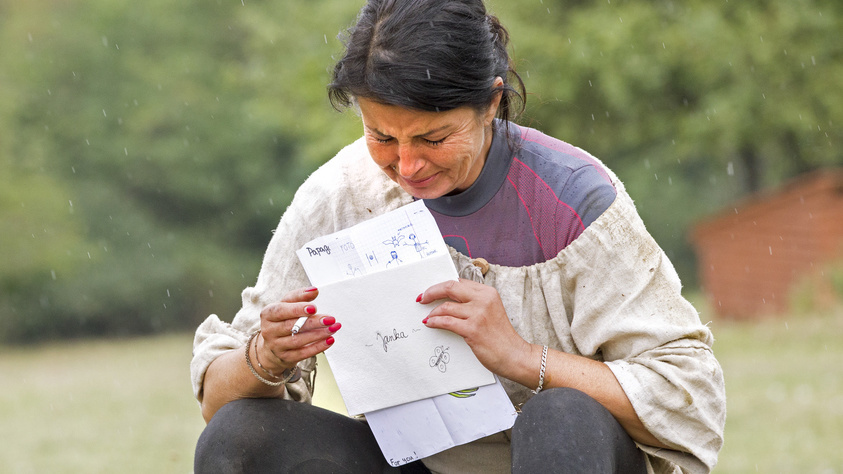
410 160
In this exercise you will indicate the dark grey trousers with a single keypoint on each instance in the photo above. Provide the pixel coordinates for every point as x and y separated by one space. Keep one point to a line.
559 430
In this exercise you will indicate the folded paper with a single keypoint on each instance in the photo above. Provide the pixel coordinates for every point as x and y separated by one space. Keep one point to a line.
384 355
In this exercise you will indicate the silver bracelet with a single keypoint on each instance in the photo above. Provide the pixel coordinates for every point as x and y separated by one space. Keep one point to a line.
541 372
286 379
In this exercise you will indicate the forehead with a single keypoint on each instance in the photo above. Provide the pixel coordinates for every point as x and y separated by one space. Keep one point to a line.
394 120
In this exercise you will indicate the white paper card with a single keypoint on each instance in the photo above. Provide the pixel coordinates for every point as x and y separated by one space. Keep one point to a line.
385 356
420 429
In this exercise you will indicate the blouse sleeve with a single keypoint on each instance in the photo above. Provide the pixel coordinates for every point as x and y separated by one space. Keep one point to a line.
612 295
628 311
347 189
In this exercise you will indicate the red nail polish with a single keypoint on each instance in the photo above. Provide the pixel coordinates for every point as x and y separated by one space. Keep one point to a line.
310 309
424 321
328 320
312 288
329 341
335 327
418 298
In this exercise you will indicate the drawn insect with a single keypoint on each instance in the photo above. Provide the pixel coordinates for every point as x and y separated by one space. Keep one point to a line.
440 358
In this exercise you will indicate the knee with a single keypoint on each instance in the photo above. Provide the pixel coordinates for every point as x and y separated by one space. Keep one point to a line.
561 405
234 436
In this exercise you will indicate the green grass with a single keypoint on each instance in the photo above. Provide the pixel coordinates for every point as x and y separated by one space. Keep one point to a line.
126 405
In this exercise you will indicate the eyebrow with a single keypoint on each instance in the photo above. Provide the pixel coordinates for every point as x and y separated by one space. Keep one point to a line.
421 135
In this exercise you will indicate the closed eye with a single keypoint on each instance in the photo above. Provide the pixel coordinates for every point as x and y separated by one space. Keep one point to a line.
434 142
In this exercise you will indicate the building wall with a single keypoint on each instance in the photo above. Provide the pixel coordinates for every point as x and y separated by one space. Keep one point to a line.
750 258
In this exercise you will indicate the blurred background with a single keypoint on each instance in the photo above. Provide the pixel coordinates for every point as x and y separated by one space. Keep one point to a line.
148 149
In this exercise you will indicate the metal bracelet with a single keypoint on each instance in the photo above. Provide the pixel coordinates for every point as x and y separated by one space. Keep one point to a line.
255 372
541 372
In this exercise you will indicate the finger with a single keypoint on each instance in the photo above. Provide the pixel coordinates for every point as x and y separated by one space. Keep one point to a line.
459 291
301 294
292 350
283 311
452 309
312 323
288 358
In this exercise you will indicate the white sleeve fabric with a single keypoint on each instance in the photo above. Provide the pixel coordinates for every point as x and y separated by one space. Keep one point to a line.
612 295
346 190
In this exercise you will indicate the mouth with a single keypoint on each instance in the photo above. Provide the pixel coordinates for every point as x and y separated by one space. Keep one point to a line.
420 183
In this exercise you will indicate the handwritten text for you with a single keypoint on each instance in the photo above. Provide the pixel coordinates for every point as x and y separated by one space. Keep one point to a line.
389 338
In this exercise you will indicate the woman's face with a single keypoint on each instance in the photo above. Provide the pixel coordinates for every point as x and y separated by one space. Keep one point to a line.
429 154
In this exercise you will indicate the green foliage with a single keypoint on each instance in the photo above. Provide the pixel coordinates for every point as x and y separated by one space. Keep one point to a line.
148 149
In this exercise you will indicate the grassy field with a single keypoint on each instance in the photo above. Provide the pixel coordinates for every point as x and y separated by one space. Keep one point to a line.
126 405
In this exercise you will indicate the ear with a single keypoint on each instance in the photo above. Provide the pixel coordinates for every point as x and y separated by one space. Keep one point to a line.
492 111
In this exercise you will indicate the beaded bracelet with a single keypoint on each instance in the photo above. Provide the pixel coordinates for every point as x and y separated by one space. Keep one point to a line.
255 372
541 372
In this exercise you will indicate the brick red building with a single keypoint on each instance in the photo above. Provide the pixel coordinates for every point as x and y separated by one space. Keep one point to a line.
752 254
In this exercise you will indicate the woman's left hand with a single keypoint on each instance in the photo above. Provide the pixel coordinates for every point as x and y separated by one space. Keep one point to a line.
475 312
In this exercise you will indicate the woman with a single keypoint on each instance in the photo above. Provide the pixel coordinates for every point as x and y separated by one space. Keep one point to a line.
579 312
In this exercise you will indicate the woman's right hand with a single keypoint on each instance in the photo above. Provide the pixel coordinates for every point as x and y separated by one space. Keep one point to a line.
279 349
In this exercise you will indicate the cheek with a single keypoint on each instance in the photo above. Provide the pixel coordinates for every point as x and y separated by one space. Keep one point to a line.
379 155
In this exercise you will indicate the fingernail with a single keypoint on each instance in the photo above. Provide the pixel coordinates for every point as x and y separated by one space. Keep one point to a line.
328 320
329 341
424 321
310 309
312 288
335 327
418 298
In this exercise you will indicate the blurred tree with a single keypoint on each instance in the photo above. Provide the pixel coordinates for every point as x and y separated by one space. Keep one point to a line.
148 149
692 103
142 113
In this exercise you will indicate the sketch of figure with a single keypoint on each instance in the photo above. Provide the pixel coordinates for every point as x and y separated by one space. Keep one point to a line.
417 245
372 259
353 271
394 259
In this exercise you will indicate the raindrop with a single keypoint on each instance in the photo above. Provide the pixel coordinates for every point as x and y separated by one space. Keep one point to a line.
126 151
73 169
71 202
29 35
326 38
103 113
730 169
89 255
771 249
813 60
53 274
168 292
211 293
104 41
428 73
670 181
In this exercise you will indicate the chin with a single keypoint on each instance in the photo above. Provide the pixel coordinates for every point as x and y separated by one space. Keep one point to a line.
423 193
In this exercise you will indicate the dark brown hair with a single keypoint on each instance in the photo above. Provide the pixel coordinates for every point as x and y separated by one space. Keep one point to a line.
432 55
